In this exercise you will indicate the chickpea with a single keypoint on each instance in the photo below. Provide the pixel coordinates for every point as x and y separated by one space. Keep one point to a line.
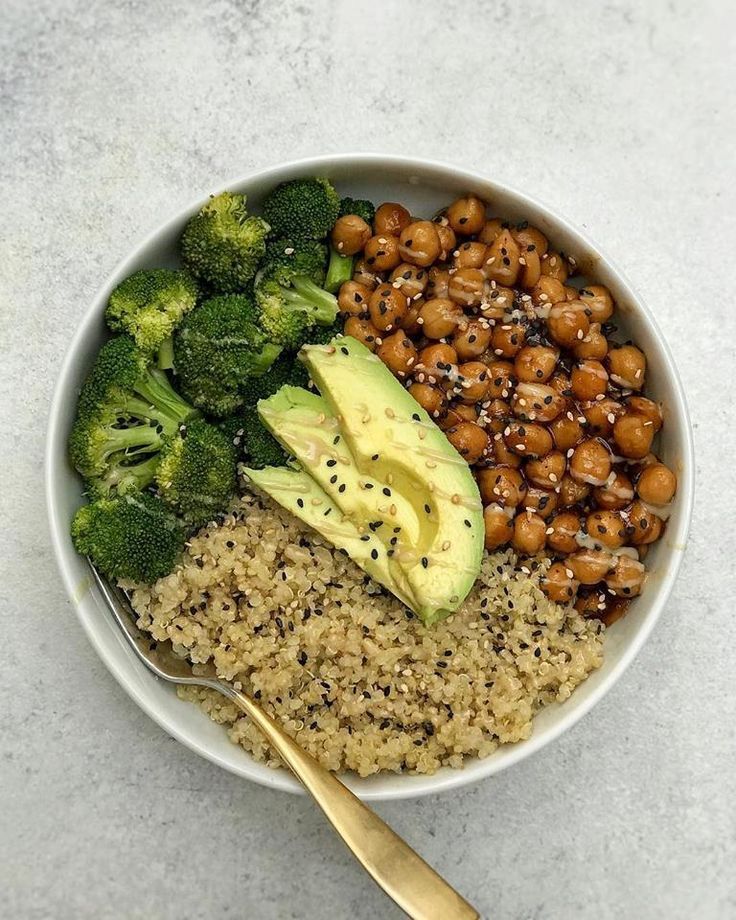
562 531
353 299
598 300
627 366
589 566
391 218
508 339
381 252
469 440
438 284
502 484
473 381
567 323
501 376
430 398
562 385
467 215
448 240
440 317
472 340
497 409
531 267
535 363
616 494
531 236
502 455
499 529
528 439
436 362
364 274
647 527
398 353
363 330
350 234
499 300
387 307
594 345
419 243
409 279
590 462
607 528
588 379
546 472
554 266
470 254
591 604
502 260
548 291
468 287
601 415
537 402
541 501
571 293
410 323
566 431
651 411
529 533
633 435
557 584
491 229
466 412
627 577
657 484
572 492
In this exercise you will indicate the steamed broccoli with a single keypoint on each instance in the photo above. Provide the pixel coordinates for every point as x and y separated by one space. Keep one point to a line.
260 446
129 536
360 206
339 270
217 348
320 335
288 257
285 369
304 208
150 304
196 472
221 245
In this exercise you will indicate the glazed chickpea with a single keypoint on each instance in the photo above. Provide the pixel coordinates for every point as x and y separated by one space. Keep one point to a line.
398 353
409 279
627 577
502 381
567 323
562 385
472 340
537 402
353 298
566 431
572 492
591 604
469 440
430 398
470 254
502 455
448 240
387 307
598 300
529 530
594 345
657 484
646 407
466 412
507 340
633 435
601 415
627 366
381 253
589 566
502 484
350 234
647 527
535 363
496 409
546 472
440 317
588 379
363 330
364 274
617 493
554 266
531 267
419 243
548 291
531 236
436 362
438 284
562 531
541 501
557 584
571 293
590 462
467 215
607 528
502 260
468 287
498 528
528 439
491 229
499 300
473 381
390 219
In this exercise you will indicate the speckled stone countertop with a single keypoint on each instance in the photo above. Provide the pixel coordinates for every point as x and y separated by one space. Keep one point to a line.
114 115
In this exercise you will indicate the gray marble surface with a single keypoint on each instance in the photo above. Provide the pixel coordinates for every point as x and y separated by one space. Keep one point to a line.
114 115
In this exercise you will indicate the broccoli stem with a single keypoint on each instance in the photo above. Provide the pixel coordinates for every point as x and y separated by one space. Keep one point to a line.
129 477
321 304
131 440
339 270
166 354
166 404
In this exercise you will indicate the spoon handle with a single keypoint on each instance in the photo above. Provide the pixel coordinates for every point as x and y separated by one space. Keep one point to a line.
402 873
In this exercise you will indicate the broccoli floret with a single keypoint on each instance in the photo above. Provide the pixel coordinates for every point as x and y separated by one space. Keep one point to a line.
196 472
260 446
217 348
360 206
286 257
302 208
321 335
129 536
285 370
150 304
222 245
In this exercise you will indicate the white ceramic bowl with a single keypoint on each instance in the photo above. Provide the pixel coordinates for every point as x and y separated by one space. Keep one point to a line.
423 186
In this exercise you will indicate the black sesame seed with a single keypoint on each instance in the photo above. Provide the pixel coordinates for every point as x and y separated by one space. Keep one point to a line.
425 561
333 478
332 463
386 491
374 554
341 487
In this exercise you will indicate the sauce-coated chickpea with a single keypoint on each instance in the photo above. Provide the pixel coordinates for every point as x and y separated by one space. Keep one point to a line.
448 241
502 455
419 243
627 366
546 472
548 291
502 380
616 494
633 435
531 267
537 402
591 603
571 492
466 412
601 415
469 440
508 339
502 484
588 379
467 215
497 409
531 236
502 260
473 382
627 577
363 330
528 439
562 531
651 411
440 317
364 274
557 584
541 501
398 353
472 340
566 431
529 533
590 462
555 266
381 252
387 307
535 363
470 254
498 527
436 362
491 229
438 284
468 287
410 322
391 218
607 528
594 345
411 280
353 298
647 527
567 323
590 566
598 300
657 484
430 398
350 234
499 300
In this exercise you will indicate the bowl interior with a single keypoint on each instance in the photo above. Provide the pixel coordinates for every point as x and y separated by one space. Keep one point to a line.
424 187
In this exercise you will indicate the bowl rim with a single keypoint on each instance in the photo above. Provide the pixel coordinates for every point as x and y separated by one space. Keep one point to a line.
445 779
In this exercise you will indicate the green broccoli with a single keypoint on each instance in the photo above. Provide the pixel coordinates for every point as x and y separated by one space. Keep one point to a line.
304 208
150 304
222 246
339 270
129 536
196 472
320 335
285 369
217 348
360 206
260 446
287 257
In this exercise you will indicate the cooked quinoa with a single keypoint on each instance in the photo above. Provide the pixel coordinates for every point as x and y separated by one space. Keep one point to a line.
350 673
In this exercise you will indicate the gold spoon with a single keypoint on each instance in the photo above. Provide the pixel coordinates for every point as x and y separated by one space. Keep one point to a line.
403 874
